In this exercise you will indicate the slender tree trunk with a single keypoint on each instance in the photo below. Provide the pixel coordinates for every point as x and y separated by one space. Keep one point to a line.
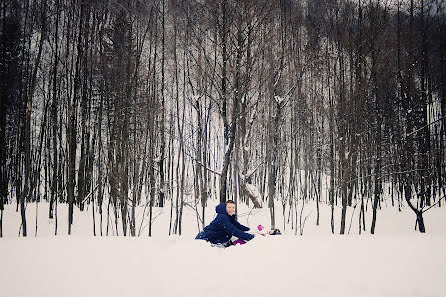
27 133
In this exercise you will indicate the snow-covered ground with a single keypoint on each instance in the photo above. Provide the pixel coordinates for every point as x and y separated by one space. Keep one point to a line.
396 261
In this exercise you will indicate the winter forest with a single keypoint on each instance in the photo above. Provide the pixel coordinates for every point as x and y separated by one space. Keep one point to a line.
321 112
118 104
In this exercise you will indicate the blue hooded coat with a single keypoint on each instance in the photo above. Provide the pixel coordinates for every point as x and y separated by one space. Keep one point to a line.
223 227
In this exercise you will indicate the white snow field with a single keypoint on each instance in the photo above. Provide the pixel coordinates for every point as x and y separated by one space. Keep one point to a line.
396 261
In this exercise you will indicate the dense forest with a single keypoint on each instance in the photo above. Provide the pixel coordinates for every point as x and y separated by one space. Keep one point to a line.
115 104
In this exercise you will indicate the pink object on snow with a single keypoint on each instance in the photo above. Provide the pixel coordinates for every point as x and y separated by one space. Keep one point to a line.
260 227
239 241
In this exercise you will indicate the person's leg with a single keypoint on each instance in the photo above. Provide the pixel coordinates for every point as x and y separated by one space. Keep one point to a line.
222 245
229 243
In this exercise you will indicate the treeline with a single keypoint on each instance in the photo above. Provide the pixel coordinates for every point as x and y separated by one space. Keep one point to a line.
119 104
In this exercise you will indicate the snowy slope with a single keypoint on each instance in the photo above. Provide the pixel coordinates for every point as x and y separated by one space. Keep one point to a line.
397 261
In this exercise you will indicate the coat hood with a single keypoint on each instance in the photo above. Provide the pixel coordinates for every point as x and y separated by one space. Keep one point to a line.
221 209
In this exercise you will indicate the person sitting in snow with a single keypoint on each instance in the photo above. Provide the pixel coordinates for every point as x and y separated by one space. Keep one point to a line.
221 230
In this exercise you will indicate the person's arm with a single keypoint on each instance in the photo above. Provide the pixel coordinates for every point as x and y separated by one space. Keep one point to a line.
240 226
230 229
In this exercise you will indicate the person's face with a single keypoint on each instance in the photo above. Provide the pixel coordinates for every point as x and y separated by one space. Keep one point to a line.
230 209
